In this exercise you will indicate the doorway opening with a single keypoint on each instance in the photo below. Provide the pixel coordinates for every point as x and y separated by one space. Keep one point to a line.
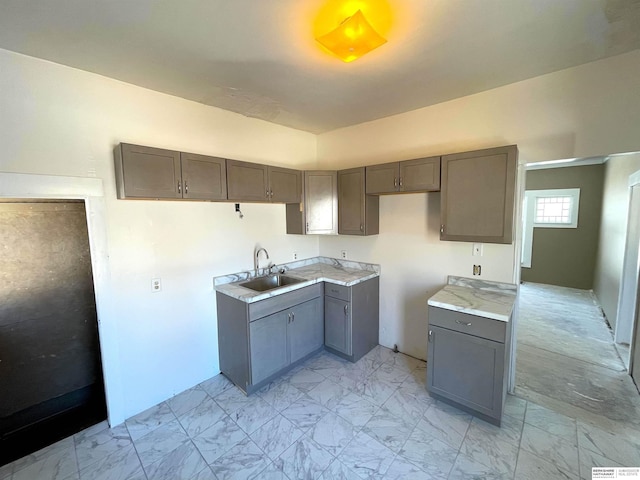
567 357
50 369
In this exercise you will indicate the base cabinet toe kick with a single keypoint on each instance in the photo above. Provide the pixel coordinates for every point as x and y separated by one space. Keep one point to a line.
260 341
467 362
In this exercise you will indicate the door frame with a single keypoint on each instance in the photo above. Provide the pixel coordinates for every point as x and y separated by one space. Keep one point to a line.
634 181
32 186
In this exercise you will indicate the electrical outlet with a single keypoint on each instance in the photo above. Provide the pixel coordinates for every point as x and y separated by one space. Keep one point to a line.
477 269
477 249
343 254
156 285
295 255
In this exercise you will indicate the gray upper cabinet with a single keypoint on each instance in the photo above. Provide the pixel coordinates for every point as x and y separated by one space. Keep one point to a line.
146 172
254 182
247 182
419 175
477 200
318 213
203 177
357 212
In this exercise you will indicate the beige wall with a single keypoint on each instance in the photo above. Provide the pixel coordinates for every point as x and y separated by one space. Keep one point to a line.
585 111
613 229
60 121
567 256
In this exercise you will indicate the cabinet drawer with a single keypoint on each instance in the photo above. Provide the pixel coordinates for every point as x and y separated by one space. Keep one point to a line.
285 300
337 291
473 325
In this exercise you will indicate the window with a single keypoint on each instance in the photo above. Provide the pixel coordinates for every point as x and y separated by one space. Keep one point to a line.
555 208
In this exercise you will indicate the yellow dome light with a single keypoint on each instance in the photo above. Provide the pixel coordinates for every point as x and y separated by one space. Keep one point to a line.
353 38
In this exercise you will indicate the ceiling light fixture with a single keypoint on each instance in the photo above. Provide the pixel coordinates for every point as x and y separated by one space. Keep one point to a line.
353 38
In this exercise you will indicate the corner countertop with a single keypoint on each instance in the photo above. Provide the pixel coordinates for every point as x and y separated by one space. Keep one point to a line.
482 298
312 270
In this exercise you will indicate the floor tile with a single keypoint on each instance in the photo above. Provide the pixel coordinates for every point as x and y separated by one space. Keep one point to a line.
306 380
205 474
218 439
121 465
356 409
216 385
275 436
58 466
187 400
510 429
532 467
328 393
280 394
93 447
149 420
233 399
515 407
182 462
272 472
52 449
498 455
252 416
366 456
611 446
390 430
160 442
197 420
326 364
445 423
243 461
589 460
402 469
390 374
405 362
339 471
561 452
376 390
552 422
6 471
332 433
466 468
430 454
304 413
304 459
408 403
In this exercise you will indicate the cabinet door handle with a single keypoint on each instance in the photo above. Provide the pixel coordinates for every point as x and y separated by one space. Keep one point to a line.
401 181
346 310
179 187
186 188
307 226
293 316
441 228
460 322
288 318
361 227
395 182
430 335
267 193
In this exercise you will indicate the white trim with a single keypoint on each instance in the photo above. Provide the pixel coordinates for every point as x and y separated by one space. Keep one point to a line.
574 193
567 162
19 185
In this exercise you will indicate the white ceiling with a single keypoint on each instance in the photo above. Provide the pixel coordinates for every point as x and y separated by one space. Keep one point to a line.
259 58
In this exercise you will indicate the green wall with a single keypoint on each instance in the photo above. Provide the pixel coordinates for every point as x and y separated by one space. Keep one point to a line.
567 256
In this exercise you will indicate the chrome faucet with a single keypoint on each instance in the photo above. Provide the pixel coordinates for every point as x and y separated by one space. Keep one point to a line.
257 258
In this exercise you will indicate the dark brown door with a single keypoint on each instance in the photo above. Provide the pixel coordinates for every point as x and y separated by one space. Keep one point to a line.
50 370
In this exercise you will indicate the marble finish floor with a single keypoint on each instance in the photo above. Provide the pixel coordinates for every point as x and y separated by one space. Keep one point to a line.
330 419
566 358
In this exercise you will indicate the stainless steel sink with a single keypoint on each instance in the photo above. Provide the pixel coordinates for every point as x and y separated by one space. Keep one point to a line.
262 284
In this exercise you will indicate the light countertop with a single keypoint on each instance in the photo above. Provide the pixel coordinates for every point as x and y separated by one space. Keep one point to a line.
486 299
312 270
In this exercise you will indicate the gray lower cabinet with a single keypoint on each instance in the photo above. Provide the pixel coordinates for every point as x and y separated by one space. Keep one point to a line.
260 340
467 362
154 173
351 318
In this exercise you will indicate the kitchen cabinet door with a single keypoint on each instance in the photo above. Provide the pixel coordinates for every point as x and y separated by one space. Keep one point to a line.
146 172
382 178
466 369
306 329
337 324
477 200
285 185
318 212
247 182
204 178
357 212
420 175
268 345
